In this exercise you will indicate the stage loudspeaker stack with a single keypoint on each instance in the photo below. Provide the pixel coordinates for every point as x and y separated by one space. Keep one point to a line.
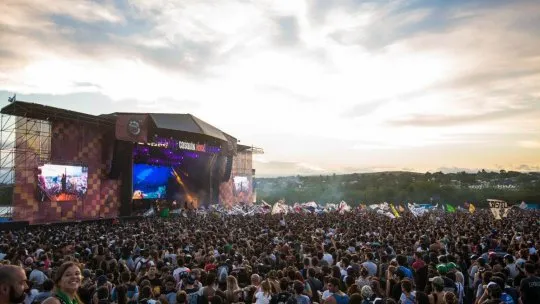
228 168
111 156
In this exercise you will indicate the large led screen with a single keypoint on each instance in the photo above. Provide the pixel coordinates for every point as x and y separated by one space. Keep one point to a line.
62 183
150 182
241 184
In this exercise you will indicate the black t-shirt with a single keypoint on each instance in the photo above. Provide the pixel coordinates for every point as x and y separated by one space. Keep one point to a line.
283 297
396 291
449 285
530 290
155 282
192 290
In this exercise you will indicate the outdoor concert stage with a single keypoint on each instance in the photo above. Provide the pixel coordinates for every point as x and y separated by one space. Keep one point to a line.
69 166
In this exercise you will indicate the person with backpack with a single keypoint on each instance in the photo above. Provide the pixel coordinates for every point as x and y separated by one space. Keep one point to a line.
283 297
315 285
222 273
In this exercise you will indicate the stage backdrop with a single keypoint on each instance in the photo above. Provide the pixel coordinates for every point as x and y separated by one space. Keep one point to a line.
239 188
70 143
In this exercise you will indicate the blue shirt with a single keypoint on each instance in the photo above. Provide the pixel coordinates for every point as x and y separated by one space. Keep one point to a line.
506 298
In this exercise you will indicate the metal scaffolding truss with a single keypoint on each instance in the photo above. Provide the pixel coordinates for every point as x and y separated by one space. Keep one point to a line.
25 143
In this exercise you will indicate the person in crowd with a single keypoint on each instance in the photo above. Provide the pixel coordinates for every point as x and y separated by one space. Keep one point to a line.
299 295
264 295
38 276
408 295
233 293
337 296
529 287
46 292
13 284
169 258
66 284
437 295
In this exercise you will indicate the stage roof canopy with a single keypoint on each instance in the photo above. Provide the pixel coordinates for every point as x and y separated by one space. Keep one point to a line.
43 112
175 122
186 123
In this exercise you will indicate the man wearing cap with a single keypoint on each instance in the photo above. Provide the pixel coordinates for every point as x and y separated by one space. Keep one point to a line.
12 284
438 290
37 276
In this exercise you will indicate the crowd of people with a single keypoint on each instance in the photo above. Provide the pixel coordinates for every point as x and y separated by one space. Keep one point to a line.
331 258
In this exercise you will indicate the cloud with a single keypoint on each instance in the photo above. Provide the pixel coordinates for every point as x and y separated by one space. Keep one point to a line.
288 30
530 144
344 83
450 120
528 168
279 168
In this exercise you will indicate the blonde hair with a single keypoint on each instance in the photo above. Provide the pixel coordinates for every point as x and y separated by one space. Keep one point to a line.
232 283
266 287
450 298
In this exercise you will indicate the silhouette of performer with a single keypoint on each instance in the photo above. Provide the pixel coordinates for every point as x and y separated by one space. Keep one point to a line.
64 183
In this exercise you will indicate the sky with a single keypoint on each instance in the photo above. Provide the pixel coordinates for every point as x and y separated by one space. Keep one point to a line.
322 86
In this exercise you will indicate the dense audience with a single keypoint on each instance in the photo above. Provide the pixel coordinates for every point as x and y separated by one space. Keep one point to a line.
356 257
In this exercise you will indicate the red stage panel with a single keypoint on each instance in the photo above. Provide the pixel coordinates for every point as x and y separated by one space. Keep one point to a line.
71 142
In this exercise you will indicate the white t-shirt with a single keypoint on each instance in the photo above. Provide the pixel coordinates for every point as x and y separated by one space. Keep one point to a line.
261 298
325 295
328 257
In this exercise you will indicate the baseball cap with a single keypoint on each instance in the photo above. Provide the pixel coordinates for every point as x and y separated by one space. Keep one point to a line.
442 269
439 281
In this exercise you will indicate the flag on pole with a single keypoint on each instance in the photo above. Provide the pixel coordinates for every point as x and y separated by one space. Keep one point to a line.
450 208
394 211
472 209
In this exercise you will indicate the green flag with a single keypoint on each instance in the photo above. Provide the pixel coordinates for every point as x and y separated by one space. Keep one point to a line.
450 208
165 213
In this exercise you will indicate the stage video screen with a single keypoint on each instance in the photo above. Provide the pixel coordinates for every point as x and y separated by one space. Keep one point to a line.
241 184
62 183
150 182
188 178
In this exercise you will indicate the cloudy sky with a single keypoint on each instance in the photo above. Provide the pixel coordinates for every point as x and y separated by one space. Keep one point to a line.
322 86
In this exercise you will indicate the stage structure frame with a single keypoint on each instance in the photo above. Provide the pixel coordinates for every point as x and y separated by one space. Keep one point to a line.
25 144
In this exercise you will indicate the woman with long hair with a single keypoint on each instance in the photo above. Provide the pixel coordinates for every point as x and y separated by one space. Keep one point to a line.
233 292
265 294
66 283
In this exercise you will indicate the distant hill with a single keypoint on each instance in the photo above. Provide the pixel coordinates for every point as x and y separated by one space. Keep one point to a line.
402 187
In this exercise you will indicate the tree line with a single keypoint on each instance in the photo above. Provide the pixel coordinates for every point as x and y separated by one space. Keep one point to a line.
404 187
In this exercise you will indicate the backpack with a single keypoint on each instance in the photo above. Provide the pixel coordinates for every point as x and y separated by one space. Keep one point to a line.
223 273
283 298
193 298
142 265
315 287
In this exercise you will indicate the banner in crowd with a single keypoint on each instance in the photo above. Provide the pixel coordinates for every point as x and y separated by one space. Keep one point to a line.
343 207
417 210
280 208
498 208
383 209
